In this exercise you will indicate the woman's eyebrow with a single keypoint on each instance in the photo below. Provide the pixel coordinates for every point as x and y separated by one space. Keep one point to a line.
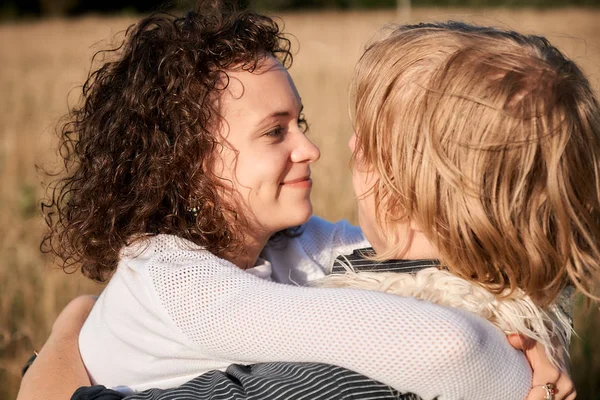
275 115
272 116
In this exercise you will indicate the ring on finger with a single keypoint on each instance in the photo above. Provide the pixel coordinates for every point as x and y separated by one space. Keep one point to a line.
550 389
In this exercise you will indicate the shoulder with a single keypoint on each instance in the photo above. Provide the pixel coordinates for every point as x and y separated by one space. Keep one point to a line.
160 256
318 231
166 249
324 240
318 225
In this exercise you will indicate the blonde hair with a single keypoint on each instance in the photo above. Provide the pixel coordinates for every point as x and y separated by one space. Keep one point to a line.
490 141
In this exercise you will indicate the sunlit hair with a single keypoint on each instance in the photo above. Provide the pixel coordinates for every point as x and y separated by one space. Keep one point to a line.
139 149
490 141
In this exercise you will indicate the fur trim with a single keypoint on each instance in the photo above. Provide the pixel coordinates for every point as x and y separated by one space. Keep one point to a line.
511 312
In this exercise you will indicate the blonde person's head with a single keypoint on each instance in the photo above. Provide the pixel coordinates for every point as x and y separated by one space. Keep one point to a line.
489 141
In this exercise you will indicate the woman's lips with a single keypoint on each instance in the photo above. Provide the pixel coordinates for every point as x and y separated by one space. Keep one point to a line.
304 182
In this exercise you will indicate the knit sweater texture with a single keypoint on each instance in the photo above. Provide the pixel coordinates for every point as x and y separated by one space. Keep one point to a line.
173 310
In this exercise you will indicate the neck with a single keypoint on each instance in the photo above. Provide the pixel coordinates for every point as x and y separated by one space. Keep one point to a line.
253 246
417 247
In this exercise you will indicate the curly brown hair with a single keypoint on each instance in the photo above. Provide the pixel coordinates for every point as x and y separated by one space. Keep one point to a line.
136 150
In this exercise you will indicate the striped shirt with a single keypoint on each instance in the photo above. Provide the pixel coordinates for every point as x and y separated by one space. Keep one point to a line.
359 261
267 381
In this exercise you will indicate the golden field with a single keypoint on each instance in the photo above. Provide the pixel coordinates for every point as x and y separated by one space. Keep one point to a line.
42 65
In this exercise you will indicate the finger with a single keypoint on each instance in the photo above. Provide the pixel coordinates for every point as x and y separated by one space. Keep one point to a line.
536 393
564 386
566 393
566 396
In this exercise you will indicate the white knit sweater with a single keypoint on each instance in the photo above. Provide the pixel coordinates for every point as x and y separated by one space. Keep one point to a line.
173 311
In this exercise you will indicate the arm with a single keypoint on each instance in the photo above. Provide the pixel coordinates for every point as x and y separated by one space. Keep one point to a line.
58 370
411 345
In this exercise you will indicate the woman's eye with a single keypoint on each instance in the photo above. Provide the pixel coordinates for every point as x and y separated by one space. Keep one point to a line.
277 132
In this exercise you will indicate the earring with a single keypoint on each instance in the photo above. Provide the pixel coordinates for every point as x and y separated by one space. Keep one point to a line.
194 211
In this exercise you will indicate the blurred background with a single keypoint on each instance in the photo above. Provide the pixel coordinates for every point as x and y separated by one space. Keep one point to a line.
45 55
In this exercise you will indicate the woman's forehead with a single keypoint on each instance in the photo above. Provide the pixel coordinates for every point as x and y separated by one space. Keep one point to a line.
267 89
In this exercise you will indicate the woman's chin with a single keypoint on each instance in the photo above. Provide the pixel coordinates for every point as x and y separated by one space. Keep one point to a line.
300 215
292 216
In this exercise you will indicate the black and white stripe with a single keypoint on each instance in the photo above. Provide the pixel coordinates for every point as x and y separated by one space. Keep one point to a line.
267 381
278 381
360 262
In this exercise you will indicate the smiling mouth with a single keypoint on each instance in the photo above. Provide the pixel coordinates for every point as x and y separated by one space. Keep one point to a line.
303 182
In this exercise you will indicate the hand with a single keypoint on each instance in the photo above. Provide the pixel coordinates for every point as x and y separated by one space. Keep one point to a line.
543 370
58 369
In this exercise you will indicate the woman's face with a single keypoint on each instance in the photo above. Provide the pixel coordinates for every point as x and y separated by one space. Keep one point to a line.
407 240
265 155
363 180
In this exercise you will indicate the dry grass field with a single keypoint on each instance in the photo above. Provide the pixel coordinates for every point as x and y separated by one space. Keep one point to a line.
42 64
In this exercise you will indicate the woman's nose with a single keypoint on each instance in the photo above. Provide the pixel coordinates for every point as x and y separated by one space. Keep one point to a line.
305 151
